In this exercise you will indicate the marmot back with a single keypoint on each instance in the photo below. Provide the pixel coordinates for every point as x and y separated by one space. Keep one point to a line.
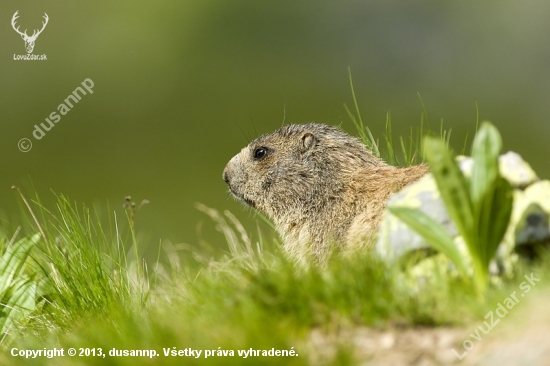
322 188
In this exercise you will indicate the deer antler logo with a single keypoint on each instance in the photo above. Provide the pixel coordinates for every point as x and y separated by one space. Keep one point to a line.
29 41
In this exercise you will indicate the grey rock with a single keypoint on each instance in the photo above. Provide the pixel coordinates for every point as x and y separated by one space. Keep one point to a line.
529 221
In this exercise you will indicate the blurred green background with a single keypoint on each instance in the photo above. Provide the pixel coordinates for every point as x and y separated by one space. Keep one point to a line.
182 86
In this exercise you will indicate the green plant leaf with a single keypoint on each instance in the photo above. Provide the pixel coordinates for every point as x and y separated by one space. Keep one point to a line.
452 186
21 303
491 195
433 232
485 151
481 206
493 218
13 259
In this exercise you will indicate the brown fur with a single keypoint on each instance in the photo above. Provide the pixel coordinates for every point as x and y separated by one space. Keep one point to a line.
322 188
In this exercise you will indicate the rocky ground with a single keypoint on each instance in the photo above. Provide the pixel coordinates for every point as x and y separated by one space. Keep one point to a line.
522 337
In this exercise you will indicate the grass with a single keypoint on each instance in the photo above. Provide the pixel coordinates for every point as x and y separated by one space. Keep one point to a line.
87 287
410 149
251 297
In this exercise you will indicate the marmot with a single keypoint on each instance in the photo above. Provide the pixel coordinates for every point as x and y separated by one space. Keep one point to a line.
323 188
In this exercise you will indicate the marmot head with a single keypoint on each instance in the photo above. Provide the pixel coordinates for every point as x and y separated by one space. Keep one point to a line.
296 170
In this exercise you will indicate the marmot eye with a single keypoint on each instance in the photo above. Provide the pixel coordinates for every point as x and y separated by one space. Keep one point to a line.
259 153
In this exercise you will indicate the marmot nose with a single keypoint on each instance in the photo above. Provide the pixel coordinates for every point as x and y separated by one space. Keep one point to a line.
225 175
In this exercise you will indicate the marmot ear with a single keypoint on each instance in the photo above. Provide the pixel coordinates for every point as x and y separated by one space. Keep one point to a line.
308 141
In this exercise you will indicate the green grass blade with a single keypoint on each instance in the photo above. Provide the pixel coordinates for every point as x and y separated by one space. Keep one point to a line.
355 99
391 158
364 132
406 154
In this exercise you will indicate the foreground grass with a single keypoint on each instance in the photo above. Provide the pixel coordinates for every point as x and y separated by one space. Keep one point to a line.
95 293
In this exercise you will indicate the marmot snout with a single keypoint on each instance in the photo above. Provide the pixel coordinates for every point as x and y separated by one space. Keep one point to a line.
322 188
